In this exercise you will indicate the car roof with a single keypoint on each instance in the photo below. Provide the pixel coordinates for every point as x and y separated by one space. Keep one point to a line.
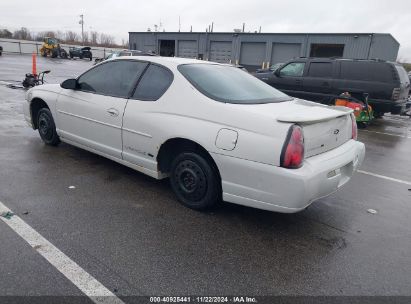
330 59
167 61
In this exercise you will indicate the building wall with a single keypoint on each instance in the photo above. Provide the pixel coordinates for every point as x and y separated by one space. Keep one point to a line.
255 50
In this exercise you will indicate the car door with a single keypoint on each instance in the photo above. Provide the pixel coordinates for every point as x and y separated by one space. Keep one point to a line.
143 118
289 78
92 115
318 81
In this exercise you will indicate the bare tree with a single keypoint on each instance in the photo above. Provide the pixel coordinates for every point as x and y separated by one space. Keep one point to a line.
22 34
124 43
50 34
107 40
5 34
72 37
85 36
60 36
93 38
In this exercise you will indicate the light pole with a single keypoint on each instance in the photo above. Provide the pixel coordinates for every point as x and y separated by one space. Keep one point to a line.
82 28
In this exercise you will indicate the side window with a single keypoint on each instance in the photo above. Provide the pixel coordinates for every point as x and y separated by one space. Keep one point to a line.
112 78
366 71
320 69
154 83
294 69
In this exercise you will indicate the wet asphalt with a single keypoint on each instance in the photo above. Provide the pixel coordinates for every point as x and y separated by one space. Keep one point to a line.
130 233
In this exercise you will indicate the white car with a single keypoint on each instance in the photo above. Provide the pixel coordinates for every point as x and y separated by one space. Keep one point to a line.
217 132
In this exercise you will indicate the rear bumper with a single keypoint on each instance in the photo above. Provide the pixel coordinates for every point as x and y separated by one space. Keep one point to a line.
284 190
384 106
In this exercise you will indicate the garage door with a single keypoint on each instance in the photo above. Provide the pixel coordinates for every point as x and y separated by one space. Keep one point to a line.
220 51
252 55
187 48
283 52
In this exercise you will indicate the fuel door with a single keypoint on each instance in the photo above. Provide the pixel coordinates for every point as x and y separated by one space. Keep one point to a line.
226 139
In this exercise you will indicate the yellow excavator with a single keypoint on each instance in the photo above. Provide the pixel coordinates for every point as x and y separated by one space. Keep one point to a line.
51 48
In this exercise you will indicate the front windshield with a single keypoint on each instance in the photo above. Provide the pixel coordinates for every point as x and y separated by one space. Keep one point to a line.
112 55
230 84
274 67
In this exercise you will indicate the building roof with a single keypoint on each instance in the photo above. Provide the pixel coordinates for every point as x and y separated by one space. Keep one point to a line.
247 33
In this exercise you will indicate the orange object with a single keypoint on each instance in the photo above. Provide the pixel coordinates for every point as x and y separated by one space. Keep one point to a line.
349 104
34 64
341 102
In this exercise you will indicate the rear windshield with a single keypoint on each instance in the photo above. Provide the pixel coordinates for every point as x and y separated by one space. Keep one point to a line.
230 84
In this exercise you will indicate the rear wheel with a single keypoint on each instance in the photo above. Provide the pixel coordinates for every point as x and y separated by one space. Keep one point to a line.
378 114
195 181
47 128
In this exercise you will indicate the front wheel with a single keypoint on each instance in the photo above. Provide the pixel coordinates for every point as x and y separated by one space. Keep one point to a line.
195 181
47 128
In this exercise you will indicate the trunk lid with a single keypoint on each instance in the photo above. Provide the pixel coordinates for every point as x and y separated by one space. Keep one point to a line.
325 127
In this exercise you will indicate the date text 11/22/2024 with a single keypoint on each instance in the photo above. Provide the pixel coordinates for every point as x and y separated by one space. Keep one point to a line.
203 299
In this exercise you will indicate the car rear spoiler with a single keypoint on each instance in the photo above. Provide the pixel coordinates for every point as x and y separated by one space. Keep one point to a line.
315 114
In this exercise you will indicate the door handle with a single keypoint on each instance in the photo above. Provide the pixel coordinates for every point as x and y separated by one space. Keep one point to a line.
113 112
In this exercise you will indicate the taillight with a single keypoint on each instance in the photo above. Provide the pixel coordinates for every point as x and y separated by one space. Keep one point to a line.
396 94
292 155
354 129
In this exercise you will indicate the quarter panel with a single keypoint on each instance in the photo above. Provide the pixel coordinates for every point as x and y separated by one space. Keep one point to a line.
183 112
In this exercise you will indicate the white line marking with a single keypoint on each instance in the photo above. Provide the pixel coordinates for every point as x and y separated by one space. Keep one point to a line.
385 177
70 269
384 133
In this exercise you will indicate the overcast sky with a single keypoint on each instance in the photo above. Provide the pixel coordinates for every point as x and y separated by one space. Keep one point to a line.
118 17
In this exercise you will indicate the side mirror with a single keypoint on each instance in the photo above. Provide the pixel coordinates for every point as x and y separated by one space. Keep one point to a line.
277 73
69 84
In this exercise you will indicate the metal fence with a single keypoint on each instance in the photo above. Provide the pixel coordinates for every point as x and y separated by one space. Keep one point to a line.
13 46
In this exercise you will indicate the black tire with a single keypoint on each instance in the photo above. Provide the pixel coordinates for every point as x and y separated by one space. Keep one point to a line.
91 58
81 56
378 115
47 128
195 181
71 55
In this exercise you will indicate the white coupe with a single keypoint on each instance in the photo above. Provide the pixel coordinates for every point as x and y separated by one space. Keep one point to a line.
217 132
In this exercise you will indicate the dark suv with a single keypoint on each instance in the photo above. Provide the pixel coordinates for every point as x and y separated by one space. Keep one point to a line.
322 79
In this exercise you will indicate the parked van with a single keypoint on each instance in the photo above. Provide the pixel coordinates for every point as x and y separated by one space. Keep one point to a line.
322 79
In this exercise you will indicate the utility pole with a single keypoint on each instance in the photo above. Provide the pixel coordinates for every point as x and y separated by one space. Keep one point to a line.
82 28
179 24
